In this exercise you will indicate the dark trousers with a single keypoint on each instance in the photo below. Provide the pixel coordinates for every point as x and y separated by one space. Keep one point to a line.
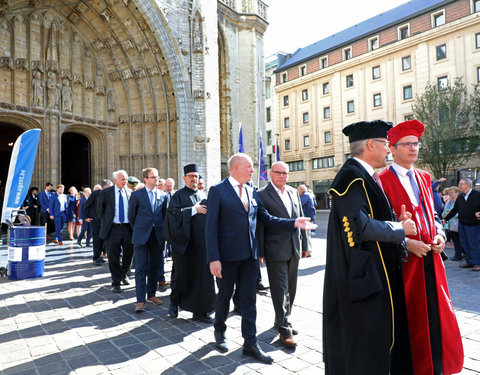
259 280
147 259
119 240
282 277
470 239
86 228
97 241
455 237
244 275
59 220
45 219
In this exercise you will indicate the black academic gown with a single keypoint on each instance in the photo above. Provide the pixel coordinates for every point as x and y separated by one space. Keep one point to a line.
365 329
192 283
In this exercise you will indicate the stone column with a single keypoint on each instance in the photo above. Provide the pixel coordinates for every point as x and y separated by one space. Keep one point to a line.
53 152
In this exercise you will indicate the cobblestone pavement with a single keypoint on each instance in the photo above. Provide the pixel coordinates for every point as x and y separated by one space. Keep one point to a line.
68 322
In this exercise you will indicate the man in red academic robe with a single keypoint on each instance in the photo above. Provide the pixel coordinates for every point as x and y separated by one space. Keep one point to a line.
435 338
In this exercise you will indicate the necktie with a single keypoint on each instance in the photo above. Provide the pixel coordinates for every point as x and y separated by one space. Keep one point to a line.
376 177
121 207
415 188
244 200
152 202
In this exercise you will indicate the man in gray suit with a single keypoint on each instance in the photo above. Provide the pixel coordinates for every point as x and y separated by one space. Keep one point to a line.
282 250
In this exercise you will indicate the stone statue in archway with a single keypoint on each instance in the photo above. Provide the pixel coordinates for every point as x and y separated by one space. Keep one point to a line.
38 90
67 96
52 91
110 101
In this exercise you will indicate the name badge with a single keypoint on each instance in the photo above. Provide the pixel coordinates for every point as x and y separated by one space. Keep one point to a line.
254 202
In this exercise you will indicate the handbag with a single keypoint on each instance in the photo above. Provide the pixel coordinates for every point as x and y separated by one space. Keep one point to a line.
454 224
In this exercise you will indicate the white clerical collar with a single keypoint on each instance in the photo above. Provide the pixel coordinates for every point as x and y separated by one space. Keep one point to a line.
401 170
365 165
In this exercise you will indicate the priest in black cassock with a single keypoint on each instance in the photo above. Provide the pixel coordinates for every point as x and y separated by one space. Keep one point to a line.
192 287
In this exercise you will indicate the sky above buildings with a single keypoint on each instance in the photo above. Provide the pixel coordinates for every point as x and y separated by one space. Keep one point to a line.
297 23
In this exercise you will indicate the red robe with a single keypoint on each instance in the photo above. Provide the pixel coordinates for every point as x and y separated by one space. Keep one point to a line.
414 282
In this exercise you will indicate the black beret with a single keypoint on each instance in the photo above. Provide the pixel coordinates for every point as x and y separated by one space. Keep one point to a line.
189 168
367 130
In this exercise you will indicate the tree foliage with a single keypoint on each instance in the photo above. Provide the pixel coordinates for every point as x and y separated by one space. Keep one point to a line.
451 122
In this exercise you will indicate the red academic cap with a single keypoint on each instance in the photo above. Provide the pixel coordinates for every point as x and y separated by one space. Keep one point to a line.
411 127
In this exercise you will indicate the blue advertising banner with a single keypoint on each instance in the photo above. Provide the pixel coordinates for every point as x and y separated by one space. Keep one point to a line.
20 171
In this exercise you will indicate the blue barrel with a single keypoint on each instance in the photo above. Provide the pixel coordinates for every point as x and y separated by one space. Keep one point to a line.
26 252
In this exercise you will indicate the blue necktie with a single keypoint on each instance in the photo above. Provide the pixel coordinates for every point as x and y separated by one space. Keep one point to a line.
121 207
415 188
150 194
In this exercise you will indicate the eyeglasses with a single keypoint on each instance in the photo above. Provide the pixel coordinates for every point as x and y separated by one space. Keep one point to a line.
410 144
155 177
384 141
281 173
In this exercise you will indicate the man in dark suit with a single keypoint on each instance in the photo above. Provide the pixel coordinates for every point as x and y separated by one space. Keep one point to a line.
57 207
44 198
146 211
90 216
282 250
115 230
86 226
233 207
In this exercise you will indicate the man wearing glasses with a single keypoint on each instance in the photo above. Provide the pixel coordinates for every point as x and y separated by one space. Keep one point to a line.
434 334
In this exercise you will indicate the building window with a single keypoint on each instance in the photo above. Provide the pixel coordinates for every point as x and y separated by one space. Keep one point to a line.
284 77
438 19
478 74
373 43
327 136
406 63
408 117
407 92
303 70
347 53
350 106
323 62
269 161
286 122
349 80
306 141
287 144
268 88
326 112
442 82
268 114
377 100
477 40
321 163
305 118
296 166
403 32
285 101
269 137
376 72
304 95
325 88
476 5
441 52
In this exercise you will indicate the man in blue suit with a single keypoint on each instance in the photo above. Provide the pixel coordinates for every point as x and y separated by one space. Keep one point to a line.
86 227
57 207
44 198
233 208
146 211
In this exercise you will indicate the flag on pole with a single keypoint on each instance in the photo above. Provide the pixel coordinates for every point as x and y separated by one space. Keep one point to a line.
20 171
263 169
240 140
277 150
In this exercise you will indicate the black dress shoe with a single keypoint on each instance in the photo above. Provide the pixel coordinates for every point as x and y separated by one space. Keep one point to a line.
173 310
236 309
256 352
116 289
79 243
204 318
126 280
220 342
98 262
456 258
261 287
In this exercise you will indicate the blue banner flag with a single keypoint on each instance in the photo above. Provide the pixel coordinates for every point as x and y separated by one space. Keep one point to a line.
277 150
240 141
263 169
20 171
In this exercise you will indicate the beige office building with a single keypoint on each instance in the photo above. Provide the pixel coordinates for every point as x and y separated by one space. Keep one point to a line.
370 71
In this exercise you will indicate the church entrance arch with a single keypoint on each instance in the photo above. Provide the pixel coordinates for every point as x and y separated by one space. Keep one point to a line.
76 160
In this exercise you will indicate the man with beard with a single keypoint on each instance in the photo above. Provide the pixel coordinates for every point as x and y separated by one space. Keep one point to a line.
192 283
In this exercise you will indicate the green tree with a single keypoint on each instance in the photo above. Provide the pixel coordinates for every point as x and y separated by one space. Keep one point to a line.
451 126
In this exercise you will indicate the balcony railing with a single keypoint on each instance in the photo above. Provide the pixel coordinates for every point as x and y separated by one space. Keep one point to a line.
257 7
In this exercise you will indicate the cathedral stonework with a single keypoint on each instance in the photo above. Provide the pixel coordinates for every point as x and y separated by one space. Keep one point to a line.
147 83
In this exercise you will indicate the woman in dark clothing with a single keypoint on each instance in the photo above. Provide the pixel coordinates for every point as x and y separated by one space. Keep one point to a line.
72 201
30 205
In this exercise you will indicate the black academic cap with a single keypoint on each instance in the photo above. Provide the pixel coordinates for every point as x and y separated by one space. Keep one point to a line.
189 168
367 130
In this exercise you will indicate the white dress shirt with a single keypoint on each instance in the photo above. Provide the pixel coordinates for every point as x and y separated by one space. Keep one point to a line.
285 197
236 186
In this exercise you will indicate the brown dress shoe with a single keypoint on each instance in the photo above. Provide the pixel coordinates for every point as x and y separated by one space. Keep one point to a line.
287 341
466 265
55 241
163 284
59 243
139 307
155 300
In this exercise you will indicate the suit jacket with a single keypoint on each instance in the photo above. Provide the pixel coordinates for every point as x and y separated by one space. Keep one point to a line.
143 219
44 202
274 244
54 205
106 209
90 206
230 229
466 209
81 207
